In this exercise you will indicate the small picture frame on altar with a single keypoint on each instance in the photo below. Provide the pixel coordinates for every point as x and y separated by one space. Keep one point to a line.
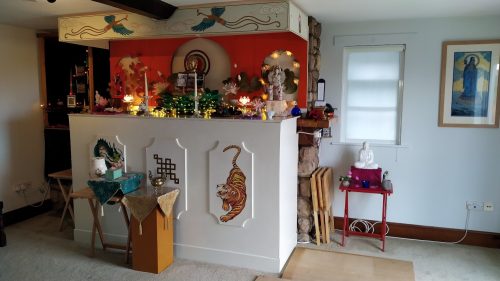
71 102
186 80
181 80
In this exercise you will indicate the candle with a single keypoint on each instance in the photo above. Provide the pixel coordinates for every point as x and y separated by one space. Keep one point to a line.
146 86
70 83
195 94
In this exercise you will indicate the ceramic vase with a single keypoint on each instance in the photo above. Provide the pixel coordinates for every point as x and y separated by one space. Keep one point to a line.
386 184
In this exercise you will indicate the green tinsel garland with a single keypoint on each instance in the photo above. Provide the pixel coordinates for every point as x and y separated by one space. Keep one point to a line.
185 104
209 100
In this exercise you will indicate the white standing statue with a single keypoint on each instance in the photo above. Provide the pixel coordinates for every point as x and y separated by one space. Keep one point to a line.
276 79
366 158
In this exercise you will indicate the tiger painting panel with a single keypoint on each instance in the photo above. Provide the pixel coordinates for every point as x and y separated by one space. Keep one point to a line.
231 183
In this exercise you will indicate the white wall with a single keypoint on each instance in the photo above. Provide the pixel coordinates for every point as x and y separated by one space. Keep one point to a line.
438 169
264 242
21 122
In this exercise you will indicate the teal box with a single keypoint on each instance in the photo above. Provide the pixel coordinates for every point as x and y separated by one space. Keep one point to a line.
113 174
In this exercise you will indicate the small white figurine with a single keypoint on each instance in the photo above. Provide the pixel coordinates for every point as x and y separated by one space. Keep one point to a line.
366 158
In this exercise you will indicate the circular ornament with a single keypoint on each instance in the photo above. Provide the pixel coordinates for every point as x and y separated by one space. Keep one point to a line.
197 60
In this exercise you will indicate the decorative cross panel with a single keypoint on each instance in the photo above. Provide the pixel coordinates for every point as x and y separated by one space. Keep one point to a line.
166 167
167 156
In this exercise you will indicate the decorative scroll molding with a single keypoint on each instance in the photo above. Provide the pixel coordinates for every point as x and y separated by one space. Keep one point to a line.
230 193
170 157
209 20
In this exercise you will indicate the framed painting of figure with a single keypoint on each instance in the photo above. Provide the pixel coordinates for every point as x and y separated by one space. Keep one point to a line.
469 84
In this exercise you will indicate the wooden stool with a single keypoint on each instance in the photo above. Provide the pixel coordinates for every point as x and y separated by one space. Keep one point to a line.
64 175
87 193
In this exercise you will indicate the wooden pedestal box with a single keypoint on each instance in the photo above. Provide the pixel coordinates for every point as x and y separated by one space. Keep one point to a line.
153 251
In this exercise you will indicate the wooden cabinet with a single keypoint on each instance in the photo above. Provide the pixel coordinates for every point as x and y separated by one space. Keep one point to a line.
153 247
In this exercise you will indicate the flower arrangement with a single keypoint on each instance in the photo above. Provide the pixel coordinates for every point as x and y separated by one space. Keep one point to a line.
345 178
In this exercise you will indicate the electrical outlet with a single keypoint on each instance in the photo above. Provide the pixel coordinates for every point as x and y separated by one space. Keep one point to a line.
17 187
488 206
21 187
471 205
326 132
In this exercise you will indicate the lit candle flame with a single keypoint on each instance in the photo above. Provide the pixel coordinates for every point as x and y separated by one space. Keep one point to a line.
244 100
128 98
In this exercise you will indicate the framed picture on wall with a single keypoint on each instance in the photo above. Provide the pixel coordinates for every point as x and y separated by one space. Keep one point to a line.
71 103
469 84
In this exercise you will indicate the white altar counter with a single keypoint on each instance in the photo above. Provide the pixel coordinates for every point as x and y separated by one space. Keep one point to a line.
258 234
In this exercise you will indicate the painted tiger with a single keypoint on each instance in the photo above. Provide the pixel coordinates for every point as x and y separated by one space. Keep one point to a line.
233 192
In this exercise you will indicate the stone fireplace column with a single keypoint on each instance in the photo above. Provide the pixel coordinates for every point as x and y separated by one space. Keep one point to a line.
308 163
309 145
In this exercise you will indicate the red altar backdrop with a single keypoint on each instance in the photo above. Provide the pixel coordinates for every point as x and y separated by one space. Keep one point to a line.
246 51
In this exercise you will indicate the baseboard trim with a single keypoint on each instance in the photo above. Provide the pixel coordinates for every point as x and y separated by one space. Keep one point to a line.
439 234
85 236
228 258
26 212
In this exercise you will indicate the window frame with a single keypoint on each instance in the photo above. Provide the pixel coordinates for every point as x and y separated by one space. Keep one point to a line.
346 50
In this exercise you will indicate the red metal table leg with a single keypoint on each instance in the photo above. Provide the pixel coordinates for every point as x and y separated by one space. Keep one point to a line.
384 222
346 217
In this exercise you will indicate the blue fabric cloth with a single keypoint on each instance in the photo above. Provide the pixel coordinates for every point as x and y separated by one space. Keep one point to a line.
105 189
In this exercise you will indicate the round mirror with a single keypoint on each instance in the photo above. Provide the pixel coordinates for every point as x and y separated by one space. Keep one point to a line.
291 67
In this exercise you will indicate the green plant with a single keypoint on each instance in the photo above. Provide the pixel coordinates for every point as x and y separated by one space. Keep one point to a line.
345 178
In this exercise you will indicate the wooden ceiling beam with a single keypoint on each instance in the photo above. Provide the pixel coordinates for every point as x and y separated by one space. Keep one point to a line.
155 9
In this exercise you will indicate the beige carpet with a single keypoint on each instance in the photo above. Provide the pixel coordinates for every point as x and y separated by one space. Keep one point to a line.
36 250
318 265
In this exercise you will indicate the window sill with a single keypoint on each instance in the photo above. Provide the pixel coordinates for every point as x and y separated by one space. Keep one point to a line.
384 145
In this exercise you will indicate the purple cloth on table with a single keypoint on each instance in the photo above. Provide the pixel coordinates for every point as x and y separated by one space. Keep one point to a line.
374 176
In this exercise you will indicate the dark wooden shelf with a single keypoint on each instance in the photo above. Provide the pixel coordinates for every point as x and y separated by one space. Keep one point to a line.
311 123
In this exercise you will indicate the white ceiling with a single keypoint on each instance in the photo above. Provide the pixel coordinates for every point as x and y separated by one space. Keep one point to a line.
41 15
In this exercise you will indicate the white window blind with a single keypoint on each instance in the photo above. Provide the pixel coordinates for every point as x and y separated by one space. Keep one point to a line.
372 85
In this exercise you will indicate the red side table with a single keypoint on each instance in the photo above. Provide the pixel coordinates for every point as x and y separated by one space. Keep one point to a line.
372 190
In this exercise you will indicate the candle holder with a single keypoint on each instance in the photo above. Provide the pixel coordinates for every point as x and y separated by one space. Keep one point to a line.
157 182
144 106
196 111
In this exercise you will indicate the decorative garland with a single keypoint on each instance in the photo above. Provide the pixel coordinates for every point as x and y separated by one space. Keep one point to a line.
184 105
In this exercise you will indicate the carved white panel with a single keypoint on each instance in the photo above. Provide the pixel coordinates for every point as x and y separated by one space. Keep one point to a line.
231 183
111 149
169 156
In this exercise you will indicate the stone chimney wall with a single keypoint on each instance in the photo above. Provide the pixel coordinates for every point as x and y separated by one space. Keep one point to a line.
314 61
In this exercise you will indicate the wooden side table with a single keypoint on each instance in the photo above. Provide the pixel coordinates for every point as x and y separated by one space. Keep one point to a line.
370 190
64 175
87 193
